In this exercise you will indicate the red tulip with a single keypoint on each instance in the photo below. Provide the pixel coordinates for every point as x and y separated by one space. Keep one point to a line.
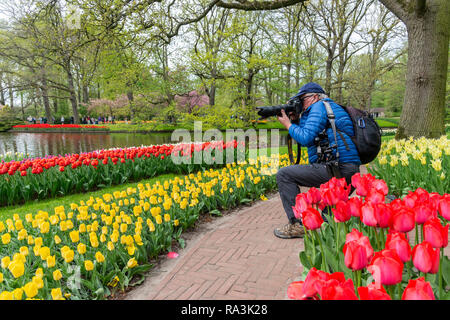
354 206
355 255
312 219
418 290
426 258
375 197
301 205
386 267
373 292
313 195
23 173
295 291
368 215
311 285
397 241
361 240
444 206
362 183
423 213
341 212
61 169
435 233
380 186
335 290
402 220
383 214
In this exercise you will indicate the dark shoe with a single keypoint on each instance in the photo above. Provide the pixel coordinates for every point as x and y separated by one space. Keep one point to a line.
289 231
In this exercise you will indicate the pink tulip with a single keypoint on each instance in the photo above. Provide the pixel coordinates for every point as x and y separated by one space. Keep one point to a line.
172 255
380 186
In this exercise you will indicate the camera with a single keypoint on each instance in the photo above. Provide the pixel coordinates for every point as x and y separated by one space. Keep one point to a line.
294 105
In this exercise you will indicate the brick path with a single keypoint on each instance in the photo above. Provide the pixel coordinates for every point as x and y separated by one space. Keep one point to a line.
234 257
238 259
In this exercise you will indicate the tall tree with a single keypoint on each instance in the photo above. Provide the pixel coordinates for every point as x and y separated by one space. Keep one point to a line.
428 26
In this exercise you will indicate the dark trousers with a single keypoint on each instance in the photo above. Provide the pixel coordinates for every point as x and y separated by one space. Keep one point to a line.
289 179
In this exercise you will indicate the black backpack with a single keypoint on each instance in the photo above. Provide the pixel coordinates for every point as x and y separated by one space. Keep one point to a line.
367 138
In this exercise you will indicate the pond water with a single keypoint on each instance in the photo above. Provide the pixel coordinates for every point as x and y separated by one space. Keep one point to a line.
42 144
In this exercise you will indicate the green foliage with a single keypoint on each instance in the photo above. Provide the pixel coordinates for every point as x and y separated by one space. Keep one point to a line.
8 118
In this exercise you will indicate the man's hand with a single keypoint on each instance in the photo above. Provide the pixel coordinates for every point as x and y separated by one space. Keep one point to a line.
284 120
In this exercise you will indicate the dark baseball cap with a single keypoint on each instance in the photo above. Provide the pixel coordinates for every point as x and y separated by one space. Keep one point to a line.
310 87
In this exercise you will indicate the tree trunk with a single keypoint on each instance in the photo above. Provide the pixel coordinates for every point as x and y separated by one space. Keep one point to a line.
2 92
85 94
212 94
328 68
55 105
73 96
423 111
22 106
11 95
130 101
44 90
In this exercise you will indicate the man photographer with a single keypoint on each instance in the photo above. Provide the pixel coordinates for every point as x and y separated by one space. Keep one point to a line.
312 129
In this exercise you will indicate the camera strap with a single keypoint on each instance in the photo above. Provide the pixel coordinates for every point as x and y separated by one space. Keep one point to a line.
290 151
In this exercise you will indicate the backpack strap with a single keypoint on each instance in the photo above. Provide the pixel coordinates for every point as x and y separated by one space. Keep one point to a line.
331 118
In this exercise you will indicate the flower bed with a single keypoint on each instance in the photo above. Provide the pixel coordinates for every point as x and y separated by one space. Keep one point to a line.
53 176
365 251
89 249
410 164
58 128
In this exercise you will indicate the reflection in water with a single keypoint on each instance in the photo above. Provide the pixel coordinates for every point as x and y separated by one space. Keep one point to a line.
41 144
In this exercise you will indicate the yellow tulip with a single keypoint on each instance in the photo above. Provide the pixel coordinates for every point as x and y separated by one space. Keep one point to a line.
24 250
158 219
99 257
88 265
57 294
6 295
38 281
68 256
132 263
5 262
51 261
44 252
19 257
166 217
57 239
81 248
17 294
110 246
6 238
31 289
17 268
57 275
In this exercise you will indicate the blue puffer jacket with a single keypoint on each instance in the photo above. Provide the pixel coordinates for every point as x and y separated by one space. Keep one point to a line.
314 120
